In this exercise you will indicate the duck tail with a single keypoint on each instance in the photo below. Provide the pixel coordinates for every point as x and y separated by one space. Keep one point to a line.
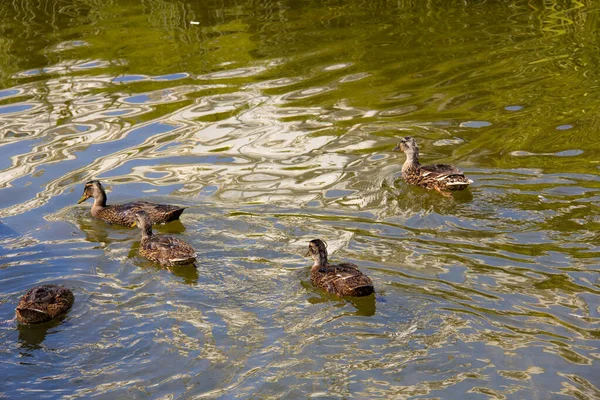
173 215
363 290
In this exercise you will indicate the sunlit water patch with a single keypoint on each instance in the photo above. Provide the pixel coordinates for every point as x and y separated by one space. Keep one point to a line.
274 125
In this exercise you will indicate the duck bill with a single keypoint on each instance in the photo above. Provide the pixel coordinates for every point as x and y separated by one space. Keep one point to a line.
307 254
83 198
397 148
134 224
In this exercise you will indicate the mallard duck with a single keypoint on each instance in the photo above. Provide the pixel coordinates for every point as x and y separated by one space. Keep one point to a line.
343 279
122 214
44 303
163 249
441 177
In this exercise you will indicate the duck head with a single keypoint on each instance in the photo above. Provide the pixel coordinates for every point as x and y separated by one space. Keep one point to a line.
407 145
317 250
143 221
93 189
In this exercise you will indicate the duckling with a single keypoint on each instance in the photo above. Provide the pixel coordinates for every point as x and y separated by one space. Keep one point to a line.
440 177
163 249
343 279
44 303
122 214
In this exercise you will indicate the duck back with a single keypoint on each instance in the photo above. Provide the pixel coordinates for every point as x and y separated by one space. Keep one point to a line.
167 250
44 303
342 279
123 214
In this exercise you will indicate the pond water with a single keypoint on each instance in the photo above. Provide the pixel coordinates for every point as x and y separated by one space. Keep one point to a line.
273 122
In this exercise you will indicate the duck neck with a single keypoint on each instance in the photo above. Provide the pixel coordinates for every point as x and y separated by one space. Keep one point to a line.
147 231
99 199
412 160
320 258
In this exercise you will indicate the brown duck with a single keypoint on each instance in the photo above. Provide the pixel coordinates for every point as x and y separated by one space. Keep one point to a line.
163 249
122 214
440 177
343 279
44 303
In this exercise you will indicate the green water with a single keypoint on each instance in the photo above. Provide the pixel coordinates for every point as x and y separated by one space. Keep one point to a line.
274 123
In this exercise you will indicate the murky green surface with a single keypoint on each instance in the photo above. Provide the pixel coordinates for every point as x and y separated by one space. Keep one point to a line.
274 122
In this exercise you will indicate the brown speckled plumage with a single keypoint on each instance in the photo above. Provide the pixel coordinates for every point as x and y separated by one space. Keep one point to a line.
163 249
122 214
44 303
343 279
440 177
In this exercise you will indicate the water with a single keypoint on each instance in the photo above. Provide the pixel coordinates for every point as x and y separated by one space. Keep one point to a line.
274 123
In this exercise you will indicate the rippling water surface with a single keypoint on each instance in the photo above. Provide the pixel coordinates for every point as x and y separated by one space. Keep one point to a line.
274 123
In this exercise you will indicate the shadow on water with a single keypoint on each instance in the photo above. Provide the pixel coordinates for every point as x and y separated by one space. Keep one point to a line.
365 305
32 336
172 228
402 198
97 231
102 232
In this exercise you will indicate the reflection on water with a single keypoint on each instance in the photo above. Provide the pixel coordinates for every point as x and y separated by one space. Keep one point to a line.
274 124
365 306
31 337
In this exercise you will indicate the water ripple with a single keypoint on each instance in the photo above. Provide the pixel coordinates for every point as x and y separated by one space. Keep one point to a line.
275 126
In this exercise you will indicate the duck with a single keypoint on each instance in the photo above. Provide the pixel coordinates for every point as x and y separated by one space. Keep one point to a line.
344 279
44 303
163 249
123 214
440 177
